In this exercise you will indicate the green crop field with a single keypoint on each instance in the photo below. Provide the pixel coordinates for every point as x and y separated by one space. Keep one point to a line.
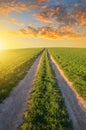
14 64
73 62
46 110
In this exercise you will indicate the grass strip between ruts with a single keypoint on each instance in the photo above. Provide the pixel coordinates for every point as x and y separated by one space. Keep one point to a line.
46 109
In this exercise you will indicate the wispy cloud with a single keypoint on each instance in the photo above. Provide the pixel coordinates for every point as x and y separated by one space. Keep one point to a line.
82 18
49 32
16 22
69 18
19 6
7 7
66 19
42 16
47 14
39 2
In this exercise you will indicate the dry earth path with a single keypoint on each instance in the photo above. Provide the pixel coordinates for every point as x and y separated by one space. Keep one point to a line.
13 107
75 105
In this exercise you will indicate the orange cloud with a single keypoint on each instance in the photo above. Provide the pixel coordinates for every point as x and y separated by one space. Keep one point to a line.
49 32
30 31
42 16
39 2
14 6
7 7
70 22
65 30
42 32
83 18
47 14
14 21
53 10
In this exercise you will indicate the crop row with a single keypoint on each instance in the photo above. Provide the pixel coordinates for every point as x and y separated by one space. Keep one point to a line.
73 62
14 64
46 109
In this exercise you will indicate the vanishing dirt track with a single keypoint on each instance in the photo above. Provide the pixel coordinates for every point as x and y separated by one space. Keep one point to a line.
13 107
77 112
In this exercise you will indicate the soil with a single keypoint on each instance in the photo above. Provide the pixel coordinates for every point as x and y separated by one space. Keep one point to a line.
14 106
76 106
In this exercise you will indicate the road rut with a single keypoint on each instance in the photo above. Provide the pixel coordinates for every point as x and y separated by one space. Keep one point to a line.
77 112
13 107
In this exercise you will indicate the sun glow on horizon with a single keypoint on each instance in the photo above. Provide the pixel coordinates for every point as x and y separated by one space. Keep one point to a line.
1 45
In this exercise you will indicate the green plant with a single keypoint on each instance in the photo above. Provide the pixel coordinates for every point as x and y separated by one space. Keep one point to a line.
46 109
14 64
73 63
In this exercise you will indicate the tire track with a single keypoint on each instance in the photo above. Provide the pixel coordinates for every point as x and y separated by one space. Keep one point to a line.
77 112
13 107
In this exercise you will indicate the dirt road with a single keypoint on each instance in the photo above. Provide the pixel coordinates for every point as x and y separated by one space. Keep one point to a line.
13 107
75 105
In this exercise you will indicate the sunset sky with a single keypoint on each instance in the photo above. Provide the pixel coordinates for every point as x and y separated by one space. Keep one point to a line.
42 23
